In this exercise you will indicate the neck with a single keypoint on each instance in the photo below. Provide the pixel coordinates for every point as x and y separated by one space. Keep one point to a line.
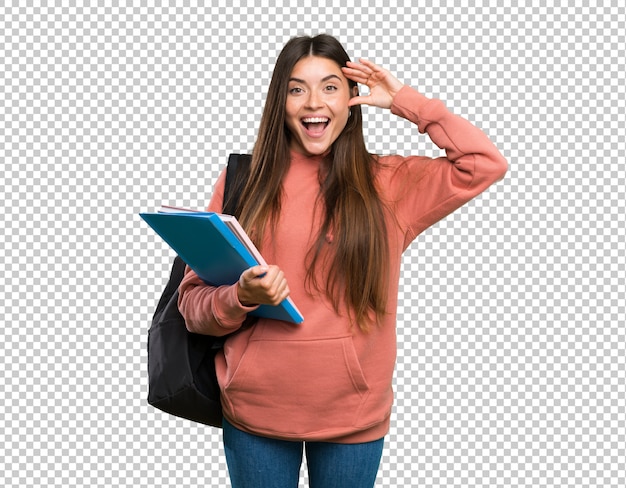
295 155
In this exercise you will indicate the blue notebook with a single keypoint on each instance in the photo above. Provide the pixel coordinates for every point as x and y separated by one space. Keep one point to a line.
217 249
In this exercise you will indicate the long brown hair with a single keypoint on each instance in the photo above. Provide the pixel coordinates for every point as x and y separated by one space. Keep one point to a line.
353 212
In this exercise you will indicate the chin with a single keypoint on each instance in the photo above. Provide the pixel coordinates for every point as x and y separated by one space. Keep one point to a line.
308 150
317 152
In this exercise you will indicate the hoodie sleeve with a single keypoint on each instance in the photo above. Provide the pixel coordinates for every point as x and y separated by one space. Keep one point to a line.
208 309
425 190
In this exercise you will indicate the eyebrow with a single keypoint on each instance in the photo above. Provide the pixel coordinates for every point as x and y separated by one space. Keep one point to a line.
326 78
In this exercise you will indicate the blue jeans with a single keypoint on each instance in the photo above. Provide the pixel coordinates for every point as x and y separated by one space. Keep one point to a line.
255 461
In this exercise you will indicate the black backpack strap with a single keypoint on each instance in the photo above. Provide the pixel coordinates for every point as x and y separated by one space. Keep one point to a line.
231 172
237 173
176 276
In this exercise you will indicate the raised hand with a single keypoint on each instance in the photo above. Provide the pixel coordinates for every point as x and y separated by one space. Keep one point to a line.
383 86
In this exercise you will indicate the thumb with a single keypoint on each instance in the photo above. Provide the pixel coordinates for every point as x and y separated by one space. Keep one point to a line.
360 100
253 272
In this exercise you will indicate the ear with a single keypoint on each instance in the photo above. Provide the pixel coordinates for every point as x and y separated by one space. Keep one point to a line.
355 91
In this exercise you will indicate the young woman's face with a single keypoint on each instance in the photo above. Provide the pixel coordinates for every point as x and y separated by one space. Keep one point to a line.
317 105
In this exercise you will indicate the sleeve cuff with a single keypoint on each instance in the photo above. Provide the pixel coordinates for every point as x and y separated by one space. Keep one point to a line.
416 107
228 310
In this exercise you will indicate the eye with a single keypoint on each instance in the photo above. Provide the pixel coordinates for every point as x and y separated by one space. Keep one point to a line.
295 90
331 88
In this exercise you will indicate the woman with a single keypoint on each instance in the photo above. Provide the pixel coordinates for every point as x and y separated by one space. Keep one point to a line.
334 221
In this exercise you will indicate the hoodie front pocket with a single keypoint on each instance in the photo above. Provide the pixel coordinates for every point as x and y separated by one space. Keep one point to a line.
298 387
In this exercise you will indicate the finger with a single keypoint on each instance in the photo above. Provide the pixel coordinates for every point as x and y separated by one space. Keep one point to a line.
369 65
351 71
272 281
280 294
355 75
365 68
361 100
363 64
358 67
254 272
276 288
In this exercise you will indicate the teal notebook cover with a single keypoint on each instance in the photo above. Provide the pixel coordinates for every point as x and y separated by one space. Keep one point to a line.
214 252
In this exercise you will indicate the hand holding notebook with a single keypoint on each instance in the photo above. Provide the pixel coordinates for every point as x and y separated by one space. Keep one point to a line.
217 248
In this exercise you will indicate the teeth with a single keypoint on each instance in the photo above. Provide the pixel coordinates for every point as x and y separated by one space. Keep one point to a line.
315 120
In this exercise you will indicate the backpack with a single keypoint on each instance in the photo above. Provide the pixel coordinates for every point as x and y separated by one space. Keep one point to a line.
181 365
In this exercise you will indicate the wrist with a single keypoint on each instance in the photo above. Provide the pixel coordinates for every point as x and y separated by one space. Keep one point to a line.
244 299
396 89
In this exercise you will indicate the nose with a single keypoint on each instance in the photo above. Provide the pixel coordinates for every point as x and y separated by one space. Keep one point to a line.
314 100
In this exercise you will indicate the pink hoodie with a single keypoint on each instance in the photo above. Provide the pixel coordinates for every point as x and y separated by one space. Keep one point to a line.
323 380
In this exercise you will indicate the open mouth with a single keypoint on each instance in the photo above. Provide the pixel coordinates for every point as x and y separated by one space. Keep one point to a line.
315 125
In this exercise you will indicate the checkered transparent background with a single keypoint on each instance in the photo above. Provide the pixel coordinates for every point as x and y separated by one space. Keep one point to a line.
512 352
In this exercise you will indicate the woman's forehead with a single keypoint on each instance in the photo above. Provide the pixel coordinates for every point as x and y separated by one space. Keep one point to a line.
316 68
